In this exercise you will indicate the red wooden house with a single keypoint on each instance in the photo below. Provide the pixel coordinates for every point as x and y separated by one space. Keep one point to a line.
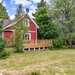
9 32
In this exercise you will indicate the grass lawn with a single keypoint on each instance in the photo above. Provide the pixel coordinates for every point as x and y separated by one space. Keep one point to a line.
55 62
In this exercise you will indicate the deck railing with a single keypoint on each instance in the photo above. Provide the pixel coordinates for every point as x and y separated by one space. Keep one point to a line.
37 44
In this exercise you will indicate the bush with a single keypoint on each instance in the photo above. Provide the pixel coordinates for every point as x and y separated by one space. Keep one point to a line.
72 36
3 53
58 43
1 45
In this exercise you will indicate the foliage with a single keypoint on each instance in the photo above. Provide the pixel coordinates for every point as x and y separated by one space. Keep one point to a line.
3 13
1 45
70 35
64 13
47 28
58 43
49 31
18 38
41 4
4 54
19 30
73 35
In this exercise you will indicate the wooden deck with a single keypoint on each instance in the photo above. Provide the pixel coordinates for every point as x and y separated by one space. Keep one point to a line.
39 44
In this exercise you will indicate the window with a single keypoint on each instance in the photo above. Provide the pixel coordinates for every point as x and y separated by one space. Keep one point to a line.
27 36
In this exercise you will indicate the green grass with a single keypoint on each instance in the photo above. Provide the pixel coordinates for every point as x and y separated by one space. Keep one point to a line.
44 62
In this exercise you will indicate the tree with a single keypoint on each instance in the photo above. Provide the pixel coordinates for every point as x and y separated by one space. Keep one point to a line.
19 29
41 4
1 40
3 13
47 28
63 12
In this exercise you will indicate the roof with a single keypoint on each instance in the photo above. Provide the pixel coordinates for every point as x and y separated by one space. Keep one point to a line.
6 22
21 18
13 23
33 21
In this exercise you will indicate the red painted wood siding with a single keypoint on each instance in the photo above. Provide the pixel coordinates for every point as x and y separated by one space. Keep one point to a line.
8 35
33 35
32 27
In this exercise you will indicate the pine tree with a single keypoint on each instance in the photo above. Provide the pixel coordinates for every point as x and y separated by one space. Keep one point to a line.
42 3
3 13
19 29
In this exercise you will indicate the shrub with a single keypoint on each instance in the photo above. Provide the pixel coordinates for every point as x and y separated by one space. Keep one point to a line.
1 45
58 43
35 73
3 53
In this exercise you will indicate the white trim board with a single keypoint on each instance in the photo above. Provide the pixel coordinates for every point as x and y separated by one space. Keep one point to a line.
31 31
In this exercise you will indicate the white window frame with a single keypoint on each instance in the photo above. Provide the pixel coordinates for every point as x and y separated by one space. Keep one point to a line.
29 36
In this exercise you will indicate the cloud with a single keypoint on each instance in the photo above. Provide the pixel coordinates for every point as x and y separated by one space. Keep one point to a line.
33 7
23 2
12 17
0 1
31 4
36 1
4 4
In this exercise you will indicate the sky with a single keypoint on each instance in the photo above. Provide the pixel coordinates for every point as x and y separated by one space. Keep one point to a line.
11 6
